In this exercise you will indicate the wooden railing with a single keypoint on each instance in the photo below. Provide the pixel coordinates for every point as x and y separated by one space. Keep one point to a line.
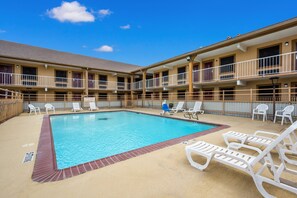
11 104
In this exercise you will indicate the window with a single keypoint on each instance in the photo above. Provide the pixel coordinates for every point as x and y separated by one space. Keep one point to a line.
165 95
294 91
269 56
181 94
227 65
60 96
181 75
129 83
61 76
208 94
265 93
196 74
76 96
196 94
29 71
156 95
6 74
121 83
30 95
91 80
77 79
29 76
120 96
165 77
102 81
228 93
102 96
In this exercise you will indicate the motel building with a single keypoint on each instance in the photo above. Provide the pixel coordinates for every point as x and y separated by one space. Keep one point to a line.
243 68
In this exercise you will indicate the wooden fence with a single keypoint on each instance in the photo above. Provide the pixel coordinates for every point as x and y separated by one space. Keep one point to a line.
11 104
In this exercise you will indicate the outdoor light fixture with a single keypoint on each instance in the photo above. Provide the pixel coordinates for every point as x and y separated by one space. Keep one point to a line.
45 65
286 43
286 85
45 89
189 58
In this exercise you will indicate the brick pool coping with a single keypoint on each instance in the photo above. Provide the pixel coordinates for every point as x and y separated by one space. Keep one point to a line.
45 167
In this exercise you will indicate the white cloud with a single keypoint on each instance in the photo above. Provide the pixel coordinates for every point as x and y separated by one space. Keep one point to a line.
2 31
104 48
104 12
84 46
71 12
125 27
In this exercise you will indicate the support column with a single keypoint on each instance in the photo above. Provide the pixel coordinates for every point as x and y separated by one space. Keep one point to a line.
143 86
190 73
131 86
86 82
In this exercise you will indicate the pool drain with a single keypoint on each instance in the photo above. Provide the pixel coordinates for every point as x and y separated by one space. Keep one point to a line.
28 157
102 119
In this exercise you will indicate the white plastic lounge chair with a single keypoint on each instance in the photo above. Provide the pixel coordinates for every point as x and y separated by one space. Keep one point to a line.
192 112
261 109
76 107
285 113
49 107
33 109
259 138
93 106
248 163
179 107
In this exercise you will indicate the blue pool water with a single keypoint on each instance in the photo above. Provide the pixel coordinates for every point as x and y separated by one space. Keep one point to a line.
81 138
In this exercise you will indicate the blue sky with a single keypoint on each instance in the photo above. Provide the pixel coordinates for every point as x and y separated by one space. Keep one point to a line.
135 31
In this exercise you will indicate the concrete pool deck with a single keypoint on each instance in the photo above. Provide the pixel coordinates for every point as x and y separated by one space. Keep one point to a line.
161 173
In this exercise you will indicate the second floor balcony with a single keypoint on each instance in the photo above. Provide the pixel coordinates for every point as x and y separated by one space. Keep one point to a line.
24 80
282 64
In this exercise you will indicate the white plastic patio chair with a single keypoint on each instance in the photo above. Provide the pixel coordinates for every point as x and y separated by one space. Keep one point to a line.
93 106
76 107
33 109
49 107
285 113
261 109
179 107
252 165
194 111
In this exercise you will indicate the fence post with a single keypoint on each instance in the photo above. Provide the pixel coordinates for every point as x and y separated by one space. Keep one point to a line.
289 93
223 102
251 100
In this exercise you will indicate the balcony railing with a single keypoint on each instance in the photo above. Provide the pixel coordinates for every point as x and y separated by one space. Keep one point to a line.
260 67
108 85
172 80
12 79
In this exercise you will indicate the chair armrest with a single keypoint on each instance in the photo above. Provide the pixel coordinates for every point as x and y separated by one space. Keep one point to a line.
236 145
266 133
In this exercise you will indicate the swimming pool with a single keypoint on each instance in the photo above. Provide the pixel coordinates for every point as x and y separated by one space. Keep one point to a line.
81 138
80 141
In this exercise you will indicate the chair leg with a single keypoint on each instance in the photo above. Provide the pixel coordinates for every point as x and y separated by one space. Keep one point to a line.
253 116
282 120
291 120
274 118
200 167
